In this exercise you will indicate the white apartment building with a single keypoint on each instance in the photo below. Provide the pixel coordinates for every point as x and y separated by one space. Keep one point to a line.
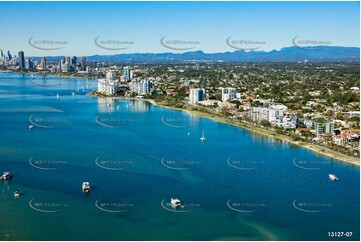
275 115
141 87
196 95
229 94
108 85
127 74
324 127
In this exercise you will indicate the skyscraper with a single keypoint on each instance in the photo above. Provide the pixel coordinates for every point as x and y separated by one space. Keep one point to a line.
28 64
1 54
73 61
21 60
9 55
127 74
43 63
82 63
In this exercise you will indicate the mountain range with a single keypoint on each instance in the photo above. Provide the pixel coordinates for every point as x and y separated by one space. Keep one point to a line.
287 54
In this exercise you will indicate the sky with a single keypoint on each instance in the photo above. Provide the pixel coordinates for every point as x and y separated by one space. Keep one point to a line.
138 27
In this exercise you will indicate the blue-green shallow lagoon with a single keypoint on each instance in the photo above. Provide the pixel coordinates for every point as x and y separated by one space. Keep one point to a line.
237 185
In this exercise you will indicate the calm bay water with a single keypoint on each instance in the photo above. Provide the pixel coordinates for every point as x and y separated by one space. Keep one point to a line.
237 185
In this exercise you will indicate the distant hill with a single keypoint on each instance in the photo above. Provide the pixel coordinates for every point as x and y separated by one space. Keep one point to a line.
287 54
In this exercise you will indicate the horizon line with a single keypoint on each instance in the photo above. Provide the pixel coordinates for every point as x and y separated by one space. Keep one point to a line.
185 52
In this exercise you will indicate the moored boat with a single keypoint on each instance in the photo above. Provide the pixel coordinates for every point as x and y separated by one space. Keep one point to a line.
332 177
203 138
176 203
85 187
6 176
16 194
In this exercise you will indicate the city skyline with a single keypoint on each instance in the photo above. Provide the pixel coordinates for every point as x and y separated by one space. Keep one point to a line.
206 26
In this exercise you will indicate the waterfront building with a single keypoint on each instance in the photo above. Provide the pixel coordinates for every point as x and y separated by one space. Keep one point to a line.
196 95
229 94
21 60
43 63
9 56
276 115
140 86
341 139
258 113
82 63
324 127
127 74
73 61
108 85
68 59
28 64
64 66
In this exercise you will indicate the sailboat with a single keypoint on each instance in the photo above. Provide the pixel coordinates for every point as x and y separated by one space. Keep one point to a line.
332 177
203 138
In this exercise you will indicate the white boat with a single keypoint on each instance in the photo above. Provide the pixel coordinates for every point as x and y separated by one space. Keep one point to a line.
6 176
203 138
109 105
176 203
118 107
57 96
16 194
73 93
85 187
31 127
332 177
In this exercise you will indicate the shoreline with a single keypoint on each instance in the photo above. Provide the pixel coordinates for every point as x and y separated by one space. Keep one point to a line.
320 150
47 74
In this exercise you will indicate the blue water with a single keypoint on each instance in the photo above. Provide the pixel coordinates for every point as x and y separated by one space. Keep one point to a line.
237 185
